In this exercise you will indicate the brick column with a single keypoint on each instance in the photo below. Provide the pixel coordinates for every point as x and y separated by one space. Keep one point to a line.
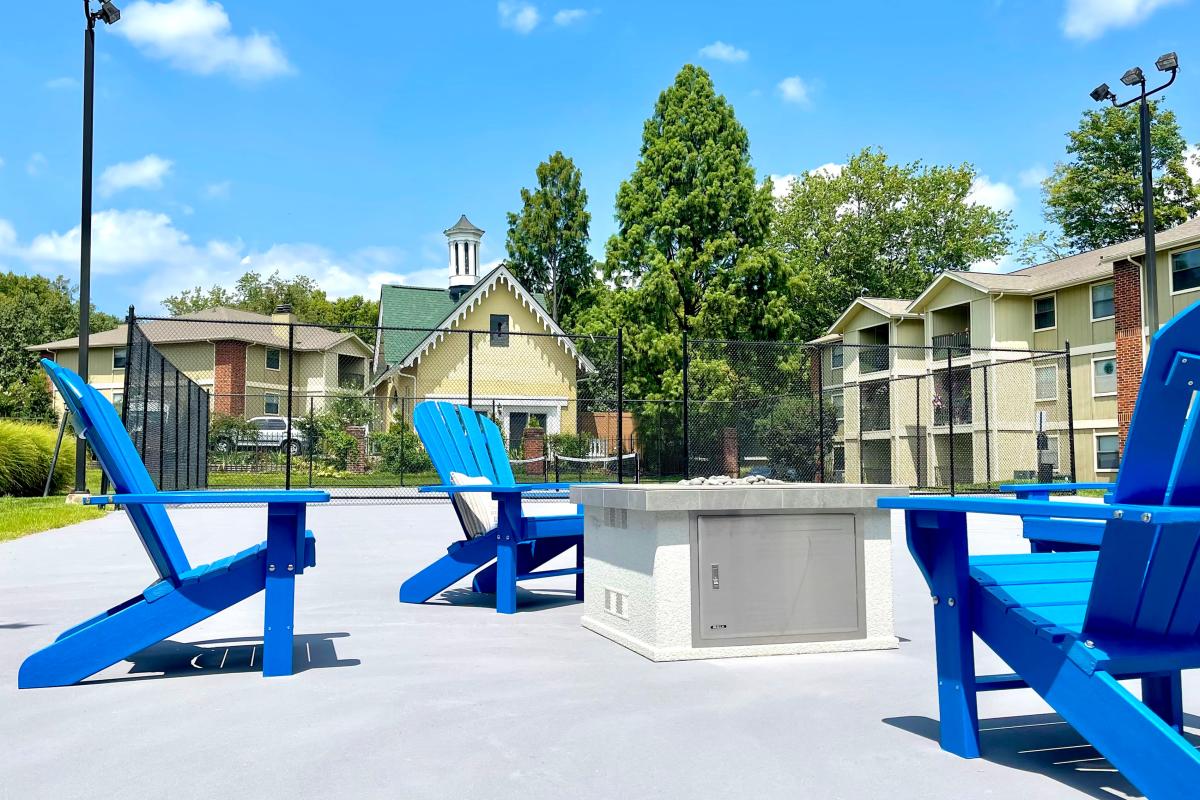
1127 301
729 452
533 445
229 378
357 462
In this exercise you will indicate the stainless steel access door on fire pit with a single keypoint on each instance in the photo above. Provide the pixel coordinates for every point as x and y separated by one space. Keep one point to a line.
766 578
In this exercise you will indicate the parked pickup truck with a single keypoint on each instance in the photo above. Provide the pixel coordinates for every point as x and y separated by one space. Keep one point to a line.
269 432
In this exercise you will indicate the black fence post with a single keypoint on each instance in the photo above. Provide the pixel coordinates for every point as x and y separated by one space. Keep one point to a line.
687 459
862 401
403 436
987 429
162 428
175 441
1070 411
470 369
950 410
287 444
620 406
920 434
312 437
820 414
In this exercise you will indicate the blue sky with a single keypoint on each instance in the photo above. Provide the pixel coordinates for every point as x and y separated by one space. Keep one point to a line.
338 140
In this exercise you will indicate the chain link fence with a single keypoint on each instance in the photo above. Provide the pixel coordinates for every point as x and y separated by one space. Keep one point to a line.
936 419
284 404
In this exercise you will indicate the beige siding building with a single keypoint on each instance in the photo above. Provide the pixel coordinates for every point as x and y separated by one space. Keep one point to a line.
1091 303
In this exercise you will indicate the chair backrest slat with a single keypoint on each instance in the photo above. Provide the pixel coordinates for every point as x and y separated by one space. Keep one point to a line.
97 420
1146 573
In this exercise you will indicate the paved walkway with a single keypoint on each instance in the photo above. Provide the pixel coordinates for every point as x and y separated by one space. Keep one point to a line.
451 700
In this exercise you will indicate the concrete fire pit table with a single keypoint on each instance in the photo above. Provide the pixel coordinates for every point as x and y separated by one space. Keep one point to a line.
678 572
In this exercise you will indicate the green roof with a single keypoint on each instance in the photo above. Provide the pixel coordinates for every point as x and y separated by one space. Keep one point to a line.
417 307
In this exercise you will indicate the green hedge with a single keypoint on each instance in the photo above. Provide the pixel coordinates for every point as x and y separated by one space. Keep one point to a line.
25 453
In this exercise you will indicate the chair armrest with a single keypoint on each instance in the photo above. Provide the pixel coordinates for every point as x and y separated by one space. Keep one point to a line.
523 488
1023 488
211 497
1157 515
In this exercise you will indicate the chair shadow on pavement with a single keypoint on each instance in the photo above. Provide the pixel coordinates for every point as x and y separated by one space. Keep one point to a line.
1047 745
173 659
526 600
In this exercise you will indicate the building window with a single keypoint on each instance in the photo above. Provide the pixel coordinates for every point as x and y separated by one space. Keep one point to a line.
1102 301
1104 376
838 401
1043 313
1185 270
120 356
1108 456
1045 380
272 358
499 330
271 403
839 458
836 357
118 401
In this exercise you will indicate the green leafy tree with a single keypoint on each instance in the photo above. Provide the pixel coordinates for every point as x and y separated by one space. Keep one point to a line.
880 228
253 292
1095 197
547 241
35 310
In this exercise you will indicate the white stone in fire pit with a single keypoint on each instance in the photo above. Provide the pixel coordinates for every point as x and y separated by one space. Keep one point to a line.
679 572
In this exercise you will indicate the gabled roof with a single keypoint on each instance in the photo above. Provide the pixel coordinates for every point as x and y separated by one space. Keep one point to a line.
889 307
219 323
416 307
464 225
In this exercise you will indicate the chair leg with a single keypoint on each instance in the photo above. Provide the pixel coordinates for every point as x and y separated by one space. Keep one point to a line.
579 565
277 623
1163 694
506 576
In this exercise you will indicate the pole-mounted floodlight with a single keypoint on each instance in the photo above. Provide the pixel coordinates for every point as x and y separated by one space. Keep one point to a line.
1102 93
1167 62
108 14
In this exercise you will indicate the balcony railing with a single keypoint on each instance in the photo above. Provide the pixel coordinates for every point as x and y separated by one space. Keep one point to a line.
874 358
876 406
958 344
960 412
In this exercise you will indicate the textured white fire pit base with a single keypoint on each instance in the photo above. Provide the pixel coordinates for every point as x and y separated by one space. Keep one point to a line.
684 572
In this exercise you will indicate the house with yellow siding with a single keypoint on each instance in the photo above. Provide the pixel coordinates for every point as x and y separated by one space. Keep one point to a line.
484 339
1094 302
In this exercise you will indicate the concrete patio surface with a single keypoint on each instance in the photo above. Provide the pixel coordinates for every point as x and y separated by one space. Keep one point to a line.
451 700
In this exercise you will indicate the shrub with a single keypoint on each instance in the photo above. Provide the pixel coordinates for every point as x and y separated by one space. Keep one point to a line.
569 444
229 428
25 453
400 450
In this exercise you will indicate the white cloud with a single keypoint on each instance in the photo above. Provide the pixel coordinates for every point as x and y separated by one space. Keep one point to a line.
519 17
155 258
195 36
145 173
217 190
1004 264
36 163
720 51
830 170
570 16
995 194
1032 178
1090 19
794 90
1191 156
62 83
781 185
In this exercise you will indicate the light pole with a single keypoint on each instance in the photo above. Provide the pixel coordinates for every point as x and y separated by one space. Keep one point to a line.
108 14
1168 62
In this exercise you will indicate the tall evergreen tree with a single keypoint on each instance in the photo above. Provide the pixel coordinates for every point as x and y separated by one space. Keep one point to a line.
547 241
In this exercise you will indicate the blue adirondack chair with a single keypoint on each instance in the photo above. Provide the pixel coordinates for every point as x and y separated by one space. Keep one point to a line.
183 595
1071 624
460 440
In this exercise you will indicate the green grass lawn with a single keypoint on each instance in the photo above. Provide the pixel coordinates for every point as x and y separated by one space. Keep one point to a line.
20 516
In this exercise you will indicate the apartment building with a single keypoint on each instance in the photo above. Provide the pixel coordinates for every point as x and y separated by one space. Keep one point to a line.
973 372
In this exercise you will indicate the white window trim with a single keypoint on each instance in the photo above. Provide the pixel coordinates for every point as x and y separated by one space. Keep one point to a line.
1033 312
1096 451
267 359
278 408
1171 270
1112 358
1092 302
114 358
837 348
1037 399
